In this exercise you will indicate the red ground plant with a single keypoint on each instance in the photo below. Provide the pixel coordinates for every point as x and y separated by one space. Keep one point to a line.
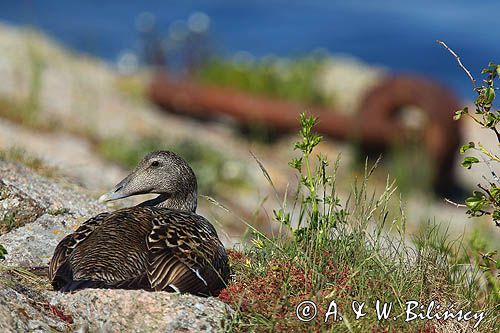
275 294
59 312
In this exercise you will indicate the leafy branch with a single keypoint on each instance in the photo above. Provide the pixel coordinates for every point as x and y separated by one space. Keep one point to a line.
486 200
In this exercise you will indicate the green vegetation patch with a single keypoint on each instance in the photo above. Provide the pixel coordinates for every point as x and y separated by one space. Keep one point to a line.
26 111
3 252
213 169
34 163
58 211
19 112
336 254
127 152
8 223
134 87
294 80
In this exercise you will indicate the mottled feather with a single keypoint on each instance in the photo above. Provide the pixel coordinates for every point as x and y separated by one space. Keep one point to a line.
186 254
66 246
143 248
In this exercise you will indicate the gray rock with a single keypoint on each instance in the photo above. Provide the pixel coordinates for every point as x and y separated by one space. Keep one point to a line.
16 208
123 310
34 244
50 194
21 313
50 211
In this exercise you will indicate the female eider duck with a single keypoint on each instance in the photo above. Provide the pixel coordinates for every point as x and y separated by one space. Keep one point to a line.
161 244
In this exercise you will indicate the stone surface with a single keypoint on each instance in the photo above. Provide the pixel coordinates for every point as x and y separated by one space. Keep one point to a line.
16 208
120 310
74 156
22 313
50 210
356 79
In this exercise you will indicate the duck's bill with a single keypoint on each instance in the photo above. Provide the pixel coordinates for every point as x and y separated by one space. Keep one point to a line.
118 192
112 195
124 189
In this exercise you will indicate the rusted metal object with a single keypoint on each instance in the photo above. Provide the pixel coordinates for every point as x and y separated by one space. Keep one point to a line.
207 102
375 124
440 134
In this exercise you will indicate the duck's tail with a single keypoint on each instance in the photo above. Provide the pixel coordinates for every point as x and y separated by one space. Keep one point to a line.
82 284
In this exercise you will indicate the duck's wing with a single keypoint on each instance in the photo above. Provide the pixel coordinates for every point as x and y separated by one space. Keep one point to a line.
186 255
67 245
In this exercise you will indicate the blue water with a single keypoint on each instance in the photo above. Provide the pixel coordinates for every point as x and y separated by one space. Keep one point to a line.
399 35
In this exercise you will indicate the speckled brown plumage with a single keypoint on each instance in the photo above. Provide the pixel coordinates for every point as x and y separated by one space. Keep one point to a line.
151 246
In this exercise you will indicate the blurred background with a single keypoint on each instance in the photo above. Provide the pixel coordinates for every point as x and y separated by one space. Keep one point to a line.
89 87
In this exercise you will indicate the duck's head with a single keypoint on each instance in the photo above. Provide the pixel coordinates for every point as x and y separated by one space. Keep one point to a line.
164 173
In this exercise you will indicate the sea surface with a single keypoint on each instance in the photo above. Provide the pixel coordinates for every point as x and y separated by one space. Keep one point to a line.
397 34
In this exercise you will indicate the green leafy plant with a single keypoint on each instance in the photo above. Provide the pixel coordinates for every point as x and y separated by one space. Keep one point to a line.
486 260
319 206
485 200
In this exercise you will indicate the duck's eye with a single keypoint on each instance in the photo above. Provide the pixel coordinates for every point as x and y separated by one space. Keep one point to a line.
155 163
